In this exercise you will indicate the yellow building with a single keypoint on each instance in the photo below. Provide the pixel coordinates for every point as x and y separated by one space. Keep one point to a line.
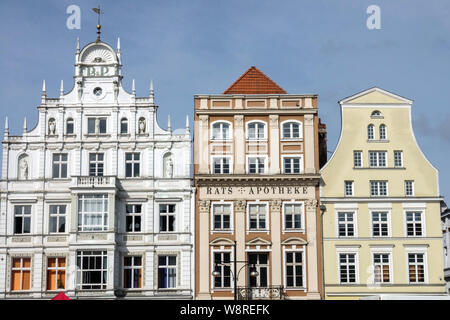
381 205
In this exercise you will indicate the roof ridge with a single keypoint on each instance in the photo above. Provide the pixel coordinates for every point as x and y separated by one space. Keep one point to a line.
258 83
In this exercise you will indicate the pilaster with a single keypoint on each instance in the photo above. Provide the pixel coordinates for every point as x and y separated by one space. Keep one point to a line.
275 227
312 265
309 144
203 271
274 145
240 207
239 142
203 145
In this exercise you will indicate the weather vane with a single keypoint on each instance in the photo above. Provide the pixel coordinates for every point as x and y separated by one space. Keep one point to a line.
99 12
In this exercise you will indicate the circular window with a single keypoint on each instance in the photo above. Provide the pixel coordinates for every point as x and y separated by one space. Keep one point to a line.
98 91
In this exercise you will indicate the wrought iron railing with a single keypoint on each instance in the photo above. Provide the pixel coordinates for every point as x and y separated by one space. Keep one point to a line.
260 293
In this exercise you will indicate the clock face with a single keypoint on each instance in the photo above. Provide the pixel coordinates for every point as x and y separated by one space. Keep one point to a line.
98 91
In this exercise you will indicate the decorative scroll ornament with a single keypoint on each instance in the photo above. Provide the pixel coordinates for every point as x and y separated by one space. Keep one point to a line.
203 205
311 204
240 205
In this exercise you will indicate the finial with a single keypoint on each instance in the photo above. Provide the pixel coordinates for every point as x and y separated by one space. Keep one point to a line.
133 87
187 124
152 92
25 125
61 89
78 45
118 45
43 88
6 125
168 124
99 26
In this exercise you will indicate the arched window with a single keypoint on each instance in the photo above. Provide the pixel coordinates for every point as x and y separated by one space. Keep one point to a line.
256 130
124 126
69 126
221 131
383 135
292 130
370 132
376 114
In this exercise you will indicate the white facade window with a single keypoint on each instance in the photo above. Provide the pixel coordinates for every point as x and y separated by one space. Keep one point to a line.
96 164
69 126
257 214
293 165
22 219
348 188
96 125
167 217
370 132
346 224
414 224
293 216
398 159
256 165
222 265
292 130
294 269
92 212
383 132
256 130
380 224
59 168
377 158
221 217
382 267
221 165
167 272
92 269
416 267
57 219
409 188
221 131
357 159
133 217
378 188
132 165
132 272
347 268
124 126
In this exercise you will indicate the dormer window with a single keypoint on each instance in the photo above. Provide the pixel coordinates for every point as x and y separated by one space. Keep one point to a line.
124 126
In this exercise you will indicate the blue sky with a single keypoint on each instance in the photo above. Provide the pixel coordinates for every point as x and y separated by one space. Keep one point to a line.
202 46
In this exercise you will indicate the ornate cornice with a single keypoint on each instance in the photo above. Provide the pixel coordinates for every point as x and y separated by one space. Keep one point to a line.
257 180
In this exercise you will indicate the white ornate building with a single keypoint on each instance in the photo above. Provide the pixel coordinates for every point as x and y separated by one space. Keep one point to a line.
97 198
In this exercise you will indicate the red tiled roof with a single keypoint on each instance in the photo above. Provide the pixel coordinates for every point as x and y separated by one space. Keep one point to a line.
254 81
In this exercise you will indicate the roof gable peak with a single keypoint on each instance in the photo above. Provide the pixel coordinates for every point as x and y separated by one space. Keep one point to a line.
254 81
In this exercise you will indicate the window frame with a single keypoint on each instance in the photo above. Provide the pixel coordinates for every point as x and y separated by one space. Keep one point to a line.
370 132
267 220
377 159
133 267
221 251
24 216
247 131
422 222
57 269
133 216
286 264
302 217
22 270
406 188
360 158
382 250
352 185
400 152
347 250
417 250
104 215
167 215
293 156
380 131
167 266
103 254
265 157
230 130
378 182
230 163
133 162
300 128
222 203
70 121
58 215
389 222
59 163
97 164
355 223
124 121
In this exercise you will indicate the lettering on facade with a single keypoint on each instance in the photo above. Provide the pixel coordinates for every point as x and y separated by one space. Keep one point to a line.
260 190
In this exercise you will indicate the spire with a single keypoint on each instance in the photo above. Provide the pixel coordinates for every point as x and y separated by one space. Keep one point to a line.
61 89
168 124
188 130
25 125
152 92
133 87
6 127
118 45
44 93
78 46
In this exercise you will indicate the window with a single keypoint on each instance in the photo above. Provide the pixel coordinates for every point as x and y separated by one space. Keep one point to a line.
292 164
132 165
294 269
383 135
346 224
132 272
221 165
60 165
370 132
124 126
167 272
221 131
376 114
414 224
409 188
416 267
166 217
22 219
69 126
293 216
96 125
92 212
256 131
347 267
56 273
257 216
381 264
256 165
380 224
96 164
21 274
133 217
260 262
92 270
348 188
357 159
398 159
57 218
292 130
377 158
222 265
222 216
378 188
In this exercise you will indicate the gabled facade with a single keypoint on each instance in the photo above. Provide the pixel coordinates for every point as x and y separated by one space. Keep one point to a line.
256 165
96 199
381 227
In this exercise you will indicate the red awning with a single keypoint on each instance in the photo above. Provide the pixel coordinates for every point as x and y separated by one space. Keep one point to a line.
61 296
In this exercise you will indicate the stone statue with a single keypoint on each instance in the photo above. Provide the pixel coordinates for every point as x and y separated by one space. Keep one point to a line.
169 168
52 127
141 126
23 166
